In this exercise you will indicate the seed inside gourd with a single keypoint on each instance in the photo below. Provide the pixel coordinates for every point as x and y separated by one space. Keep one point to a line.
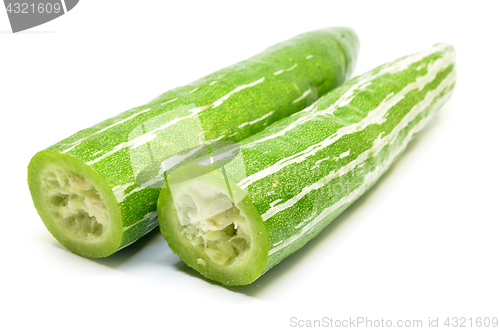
75 204
213 224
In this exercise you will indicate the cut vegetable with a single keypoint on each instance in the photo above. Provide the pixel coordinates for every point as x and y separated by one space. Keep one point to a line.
222 240
96 191
287 182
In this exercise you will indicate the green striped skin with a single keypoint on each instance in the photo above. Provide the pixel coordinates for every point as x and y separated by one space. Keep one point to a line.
230 104
304 170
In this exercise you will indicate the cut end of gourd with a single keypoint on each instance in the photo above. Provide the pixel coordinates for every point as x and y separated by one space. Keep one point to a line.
212 223
77 208
222 238
75 204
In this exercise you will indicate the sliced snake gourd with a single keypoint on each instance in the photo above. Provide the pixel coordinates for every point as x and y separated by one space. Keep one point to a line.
283 185
96 191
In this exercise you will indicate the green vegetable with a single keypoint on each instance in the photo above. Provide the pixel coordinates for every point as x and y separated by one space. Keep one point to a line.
234 221
96 191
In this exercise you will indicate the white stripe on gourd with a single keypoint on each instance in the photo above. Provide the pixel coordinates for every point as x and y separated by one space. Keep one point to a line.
305 94
169 101
256 120
236 90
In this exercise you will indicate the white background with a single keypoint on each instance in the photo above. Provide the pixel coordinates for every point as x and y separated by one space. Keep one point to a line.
423 242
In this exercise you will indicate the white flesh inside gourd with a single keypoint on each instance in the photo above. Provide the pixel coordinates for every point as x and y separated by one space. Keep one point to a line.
75 204
211 222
